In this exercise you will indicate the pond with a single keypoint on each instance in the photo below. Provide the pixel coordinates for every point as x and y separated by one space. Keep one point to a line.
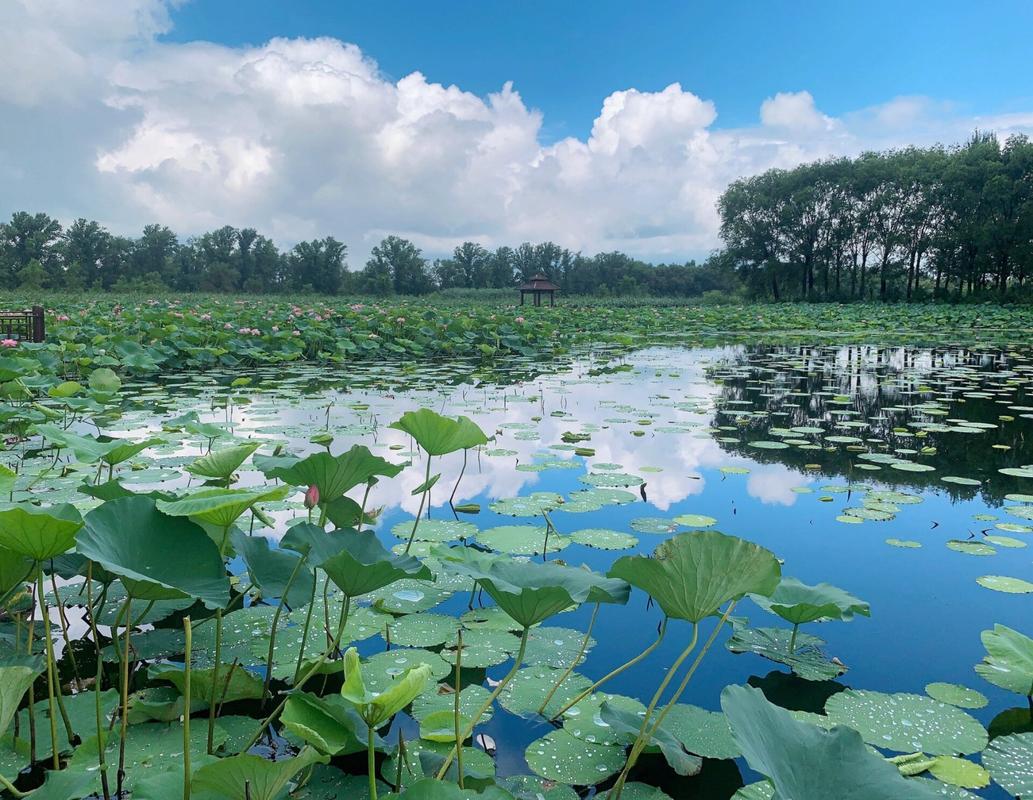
903 476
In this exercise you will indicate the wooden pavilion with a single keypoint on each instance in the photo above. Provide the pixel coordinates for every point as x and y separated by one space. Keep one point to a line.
538 286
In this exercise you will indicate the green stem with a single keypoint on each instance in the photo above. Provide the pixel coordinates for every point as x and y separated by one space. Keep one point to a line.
641 739
792 639
517 661
304 679
63 620
682 686
98 684
455 708
371 763
308 623
614 673
212 702
452 497
50 667
10 788
124 720
276 622
574 663
423 499
188 631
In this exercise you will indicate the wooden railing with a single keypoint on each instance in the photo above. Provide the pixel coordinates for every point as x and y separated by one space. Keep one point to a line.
26 326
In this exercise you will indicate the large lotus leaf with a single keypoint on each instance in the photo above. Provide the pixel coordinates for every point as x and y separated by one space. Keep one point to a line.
335 475
530 592
440 435
39 533
119 451
1010 761
317 543
797 602
1008 662
248 777
157 556
222 463
238 684
378 708
805 762
271 570
220 507
907 723
362 565
15 680
693 574
14 569
806 659
328 723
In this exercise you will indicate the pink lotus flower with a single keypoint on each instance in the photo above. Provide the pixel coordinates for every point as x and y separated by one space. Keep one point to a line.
312 497
9 343
62 318
520 320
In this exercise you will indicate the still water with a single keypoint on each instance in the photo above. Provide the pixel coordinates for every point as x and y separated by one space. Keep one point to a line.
833 457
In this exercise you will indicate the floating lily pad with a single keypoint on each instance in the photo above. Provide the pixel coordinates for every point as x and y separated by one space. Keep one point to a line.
907 723
555 647
524 694
806 659
532 505
483 648
695 520
521 539
956 695
906 543
604 539
435 530
1003 583
423 630
471 698
1010 762
559 756
657 525
705 733
379 671
971 547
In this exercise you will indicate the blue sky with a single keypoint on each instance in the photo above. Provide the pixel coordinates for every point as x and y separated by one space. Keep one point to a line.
598 125
564 57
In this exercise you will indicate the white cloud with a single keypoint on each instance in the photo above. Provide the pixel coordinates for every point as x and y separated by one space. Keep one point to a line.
794 111
306 137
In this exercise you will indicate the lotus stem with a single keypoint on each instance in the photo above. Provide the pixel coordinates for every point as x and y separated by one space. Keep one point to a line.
298 684
7 785
452 497
50 667
98 685
63 620
276 622
423 499
614 673
32 689
215 681
124 721
517 661
371 763
188 647
792 639
679 691
574 663
455 708
362 508
308 622
641 738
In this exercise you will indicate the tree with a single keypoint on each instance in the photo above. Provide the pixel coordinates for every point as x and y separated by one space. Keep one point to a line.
403 261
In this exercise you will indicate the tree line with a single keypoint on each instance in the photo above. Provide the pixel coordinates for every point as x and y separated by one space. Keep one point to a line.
940 222
911 224
37 253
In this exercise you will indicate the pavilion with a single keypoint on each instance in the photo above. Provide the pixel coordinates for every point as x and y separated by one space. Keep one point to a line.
539 285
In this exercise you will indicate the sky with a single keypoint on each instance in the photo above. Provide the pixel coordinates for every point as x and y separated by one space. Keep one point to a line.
599 125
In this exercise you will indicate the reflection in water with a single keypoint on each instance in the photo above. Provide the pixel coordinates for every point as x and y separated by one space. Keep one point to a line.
781 445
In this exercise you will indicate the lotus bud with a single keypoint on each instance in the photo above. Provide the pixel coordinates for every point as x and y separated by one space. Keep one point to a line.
312 497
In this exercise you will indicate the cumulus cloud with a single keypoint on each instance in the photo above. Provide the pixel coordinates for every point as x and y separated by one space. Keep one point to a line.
306 137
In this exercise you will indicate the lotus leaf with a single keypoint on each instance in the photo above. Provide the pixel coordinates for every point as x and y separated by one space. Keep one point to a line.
798 603
439 435
692 575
